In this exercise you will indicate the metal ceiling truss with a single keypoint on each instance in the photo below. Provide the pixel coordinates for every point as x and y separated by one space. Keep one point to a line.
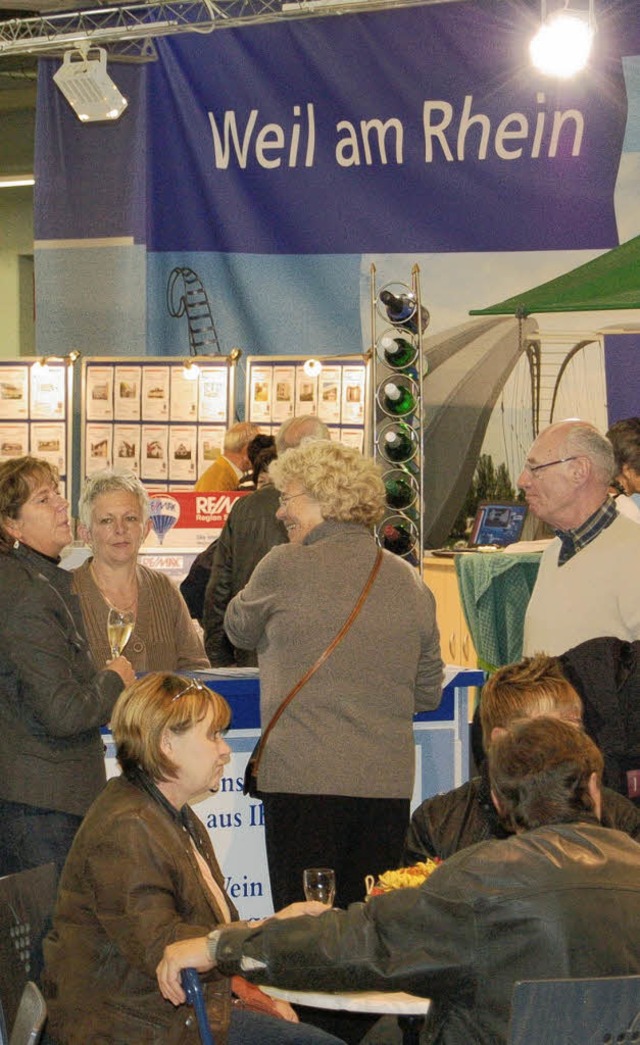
128 28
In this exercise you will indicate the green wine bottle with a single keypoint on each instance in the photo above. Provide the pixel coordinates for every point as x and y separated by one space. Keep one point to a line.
397 443
401 493
398 352
397 399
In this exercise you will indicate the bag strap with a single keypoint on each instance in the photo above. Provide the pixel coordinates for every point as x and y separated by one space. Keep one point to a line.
321 659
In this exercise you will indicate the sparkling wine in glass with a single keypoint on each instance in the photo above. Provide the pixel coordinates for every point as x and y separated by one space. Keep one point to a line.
119 627
319 883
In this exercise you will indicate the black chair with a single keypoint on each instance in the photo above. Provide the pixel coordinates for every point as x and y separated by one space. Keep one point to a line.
30 1018
26 904
576 1012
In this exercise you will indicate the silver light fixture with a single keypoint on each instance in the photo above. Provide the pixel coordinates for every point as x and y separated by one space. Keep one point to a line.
562 45
87 86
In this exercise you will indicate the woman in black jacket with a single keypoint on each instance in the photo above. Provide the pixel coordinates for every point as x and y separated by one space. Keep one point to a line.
52 699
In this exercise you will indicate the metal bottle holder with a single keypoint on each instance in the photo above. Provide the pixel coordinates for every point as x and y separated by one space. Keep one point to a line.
399 367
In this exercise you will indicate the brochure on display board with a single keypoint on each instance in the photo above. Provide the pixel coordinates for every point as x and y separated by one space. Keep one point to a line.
36 413
337 391
163 419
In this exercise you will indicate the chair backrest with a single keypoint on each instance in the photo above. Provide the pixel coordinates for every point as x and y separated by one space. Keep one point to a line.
30 1018
26 904
576 1012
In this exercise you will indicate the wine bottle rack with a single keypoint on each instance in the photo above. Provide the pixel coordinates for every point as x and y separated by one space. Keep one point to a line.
398 323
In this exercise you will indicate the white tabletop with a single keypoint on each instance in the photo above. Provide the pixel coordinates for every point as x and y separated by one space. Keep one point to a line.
396 1003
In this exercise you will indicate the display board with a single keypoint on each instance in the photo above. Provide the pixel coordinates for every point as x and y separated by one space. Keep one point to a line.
36 397
162 418
334 388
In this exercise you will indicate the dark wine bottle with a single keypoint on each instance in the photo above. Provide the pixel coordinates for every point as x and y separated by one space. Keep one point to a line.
402 311
397 443
397 399
398 537
401 493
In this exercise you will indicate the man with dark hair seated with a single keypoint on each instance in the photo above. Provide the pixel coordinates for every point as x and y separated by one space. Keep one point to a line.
446 823
560 897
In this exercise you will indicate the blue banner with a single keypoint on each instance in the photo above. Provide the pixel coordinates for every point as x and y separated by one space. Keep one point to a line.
423 129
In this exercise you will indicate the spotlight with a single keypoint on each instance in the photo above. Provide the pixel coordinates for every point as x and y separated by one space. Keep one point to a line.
190 370
312 367
562 45
87 86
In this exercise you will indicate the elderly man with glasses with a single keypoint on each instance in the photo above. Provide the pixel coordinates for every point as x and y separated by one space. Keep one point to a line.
589 577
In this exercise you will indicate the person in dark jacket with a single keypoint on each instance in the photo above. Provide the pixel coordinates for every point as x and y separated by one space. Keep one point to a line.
248 534
52 699
606 674
446 823
560 897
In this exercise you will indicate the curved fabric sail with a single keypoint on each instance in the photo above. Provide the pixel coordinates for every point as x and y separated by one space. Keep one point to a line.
610 281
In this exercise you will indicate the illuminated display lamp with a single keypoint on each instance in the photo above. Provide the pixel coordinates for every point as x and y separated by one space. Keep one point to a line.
562 45
87 86
190 370
312 367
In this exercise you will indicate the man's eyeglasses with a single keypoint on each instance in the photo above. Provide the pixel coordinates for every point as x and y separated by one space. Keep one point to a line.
194 684
292 496
533 469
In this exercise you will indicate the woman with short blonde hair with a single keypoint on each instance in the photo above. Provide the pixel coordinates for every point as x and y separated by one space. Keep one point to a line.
114 521
346 485
336 773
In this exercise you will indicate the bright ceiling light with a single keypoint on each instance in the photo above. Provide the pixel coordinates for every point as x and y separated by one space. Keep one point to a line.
562 45
87 86
15 181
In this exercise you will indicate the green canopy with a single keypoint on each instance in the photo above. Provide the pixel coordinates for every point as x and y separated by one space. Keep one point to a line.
611 281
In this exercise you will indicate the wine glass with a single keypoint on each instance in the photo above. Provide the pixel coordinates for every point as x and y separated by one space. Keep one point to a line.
119 627
319 883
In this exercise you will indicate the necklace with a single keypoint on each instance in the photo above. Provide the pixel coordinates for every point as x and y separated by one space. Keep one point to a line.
131 602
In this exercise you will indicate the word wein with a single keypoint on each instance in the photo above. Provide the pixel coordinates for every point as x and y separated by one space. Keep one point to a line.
447 135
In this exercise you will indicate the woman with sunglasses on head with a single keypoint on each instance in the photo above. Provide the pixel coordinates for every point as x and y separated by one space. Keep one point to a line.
142 874
53 700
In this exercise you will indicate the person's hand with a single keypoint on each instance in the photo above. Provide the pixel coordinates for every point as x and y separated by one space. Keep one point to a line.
123 668
183 954
296 910
285 1011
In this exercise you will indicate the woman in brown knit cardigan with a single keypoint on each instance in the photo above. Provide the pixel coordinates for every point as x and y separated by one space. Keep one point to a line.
114 521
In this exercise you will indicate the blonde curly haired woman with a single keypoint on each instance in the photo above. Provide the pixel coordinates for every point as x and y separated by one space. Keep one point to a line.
336 773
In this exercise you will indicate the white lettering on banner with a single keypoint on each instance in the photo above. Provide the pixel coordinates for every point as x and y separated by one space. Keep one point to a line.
438 117
271 137
348 148
213 506
375 142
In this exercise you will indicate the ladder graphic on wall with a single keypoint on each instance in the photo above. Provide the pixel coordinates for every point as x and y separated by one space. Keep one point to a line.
187 296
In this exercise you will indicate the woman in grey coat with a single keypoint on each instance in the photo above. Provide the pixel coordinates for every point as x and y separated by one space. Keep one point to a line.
336 774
